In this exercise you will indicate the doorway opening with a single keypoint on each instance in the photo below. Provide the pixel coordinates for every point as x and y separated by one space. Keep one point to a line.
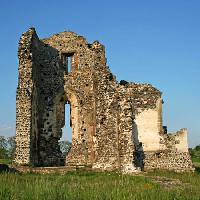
65 141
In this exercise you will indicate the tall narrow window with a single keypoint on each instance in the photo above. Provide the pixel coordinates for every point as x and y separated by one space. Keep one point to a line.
66 139
69 64
68 61
65 62
67 130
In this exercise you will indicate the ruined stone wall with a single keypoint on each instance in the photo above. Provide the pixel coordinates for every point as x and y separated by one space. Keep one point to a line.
173 154
115 126
79 92
49 85
154 148
39 79
147 109
106 135
24 100
168 160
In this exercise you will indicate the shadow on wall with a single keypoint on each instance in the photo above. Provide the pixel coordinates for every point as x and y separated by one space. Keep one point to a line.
46 100
138 153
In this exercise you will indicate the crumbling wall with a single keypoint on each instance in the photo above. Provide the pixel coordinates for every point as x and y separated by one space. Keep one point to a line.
24 100
39 80
127 141
173 155
115 126
79 92
106 107
147 109
180 140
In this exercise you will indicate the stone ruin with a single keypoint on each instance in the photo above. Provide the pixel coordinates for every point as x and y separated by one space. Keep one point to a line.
115 126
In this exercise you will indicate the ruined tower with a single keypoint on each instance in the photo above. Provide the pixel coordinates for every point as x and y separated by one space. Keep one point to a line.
115 126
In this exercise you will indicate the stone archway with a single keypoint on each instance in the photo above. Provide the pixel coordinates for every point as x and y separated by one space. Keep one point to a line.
71 99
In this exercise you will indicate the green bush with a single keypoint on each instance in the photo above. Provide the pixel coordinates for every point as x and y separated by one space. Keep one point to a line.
195 154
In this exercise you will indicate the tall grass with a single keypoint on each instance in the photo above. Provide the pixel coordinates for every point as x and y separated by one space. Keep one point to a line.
94 186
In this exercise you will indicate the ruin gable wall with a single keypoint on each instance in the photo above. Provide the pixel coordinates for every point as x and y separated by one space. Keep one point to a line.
115 126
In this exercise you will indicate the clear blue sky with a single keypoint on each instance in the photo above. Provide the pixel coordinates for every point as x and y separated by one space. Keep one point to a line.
151 41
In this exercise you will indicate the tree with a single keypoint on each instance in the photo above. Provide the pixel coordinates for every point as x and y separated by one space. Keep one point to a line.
65 147
11 146
195 153
3 148
7 147
3 142
197 148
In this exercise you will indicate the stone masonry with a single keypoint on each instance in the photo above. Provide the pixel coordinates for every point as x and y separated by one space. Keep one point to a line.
115 126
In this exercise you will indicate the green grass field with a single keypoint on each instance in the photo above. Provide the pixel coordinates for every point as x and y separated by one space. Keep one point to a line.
5 161
161 185
101 186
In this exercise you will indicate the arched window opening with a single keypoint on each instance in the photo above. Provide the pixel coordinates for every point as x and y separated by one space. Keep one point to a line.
65 141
